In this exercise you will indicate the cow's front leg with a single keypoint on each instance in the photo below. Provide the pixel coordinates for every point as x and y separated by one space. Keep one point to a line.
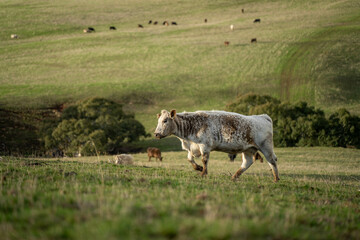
193 163
205 160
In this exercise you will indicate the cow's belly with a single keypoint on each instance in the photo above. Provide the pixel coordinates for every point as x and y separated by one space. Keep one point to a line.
231 147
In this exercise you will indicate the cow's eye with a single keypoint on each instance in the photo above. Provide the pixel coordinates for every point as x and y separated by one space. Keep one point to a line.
165 121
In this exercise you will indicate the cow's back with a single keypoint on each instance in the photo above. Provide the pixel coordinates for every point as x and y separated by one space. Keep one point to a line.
233 132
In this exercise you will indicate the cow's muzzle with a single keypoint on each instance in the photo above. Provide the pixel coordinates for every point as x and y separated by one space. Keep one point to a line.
158 135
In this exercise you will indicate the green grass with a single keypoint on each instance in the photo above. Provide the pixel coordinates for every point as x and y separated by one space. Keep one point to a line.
89 198
306 50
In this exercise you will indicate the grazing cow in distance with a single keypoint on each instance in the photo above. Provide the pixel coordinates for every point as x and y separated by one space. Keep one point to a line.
150 21
89 30
154 152
205 20
155 23
243 10
140 26
173 23
204 131
112 28
231 27
14 36
257 20
253 40
226 43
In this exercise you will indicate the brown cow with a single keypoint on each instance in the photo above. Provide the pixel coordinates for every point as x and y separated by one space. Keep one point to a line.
226 43
253 40
154 152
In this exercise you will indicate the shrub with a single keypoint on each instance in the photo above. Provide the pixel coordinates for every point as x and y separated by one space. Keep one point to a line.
93 126
343 130
300 124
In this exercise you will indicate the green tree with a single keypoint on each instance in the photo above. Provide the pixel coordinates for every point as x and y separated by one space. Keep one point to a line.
93 126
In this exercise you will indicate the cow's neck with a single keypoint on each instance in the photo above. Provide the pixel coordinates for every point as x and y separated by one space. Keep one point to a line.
183 127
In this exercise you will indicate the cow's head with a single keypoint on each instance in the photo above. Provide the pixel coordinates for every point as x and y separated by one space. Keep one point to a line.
166 124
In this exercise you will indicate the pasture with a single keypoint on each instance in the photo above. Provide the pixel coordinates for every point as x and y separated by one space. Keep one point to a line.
305 50
89 198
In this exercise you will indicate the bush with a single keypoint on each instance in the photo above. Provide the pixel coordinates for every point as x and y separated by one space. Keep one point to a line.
300 124
93 126
343 130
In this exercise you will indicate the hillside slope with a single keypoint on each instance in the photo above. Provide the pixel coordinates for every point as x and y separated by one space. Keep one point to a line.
305 50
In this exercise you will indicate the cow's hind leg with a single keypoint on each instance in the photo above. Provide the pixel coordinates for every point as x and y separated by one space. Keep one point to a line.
247 161
205 160
271 159
193 163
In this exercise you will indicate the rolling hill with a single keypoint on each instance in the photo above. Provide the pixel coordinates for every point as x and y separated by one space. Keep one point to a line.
305 50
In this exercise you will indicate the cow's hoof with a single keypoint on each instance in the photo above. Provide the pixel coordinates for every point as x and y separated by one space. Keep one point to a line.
199 168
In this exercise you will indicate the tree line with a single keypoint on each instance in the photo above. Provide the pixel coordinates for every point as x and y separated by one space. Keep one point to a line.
100 126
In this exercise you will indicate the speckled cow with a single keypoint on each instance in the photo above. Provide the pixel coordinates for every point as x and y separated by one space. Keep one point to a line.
204 131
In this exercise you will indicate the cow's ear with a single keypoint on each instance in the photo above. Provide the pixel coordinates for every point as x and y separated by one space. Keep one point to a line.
173 114
158 115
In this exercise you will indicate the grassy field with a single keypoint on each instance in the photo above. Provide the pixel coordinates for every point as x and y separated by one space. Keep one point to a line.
306 50
89 198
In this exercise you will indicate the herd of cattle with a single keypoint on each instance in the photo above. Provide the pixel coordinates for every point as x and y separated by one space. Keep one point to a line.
166 23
